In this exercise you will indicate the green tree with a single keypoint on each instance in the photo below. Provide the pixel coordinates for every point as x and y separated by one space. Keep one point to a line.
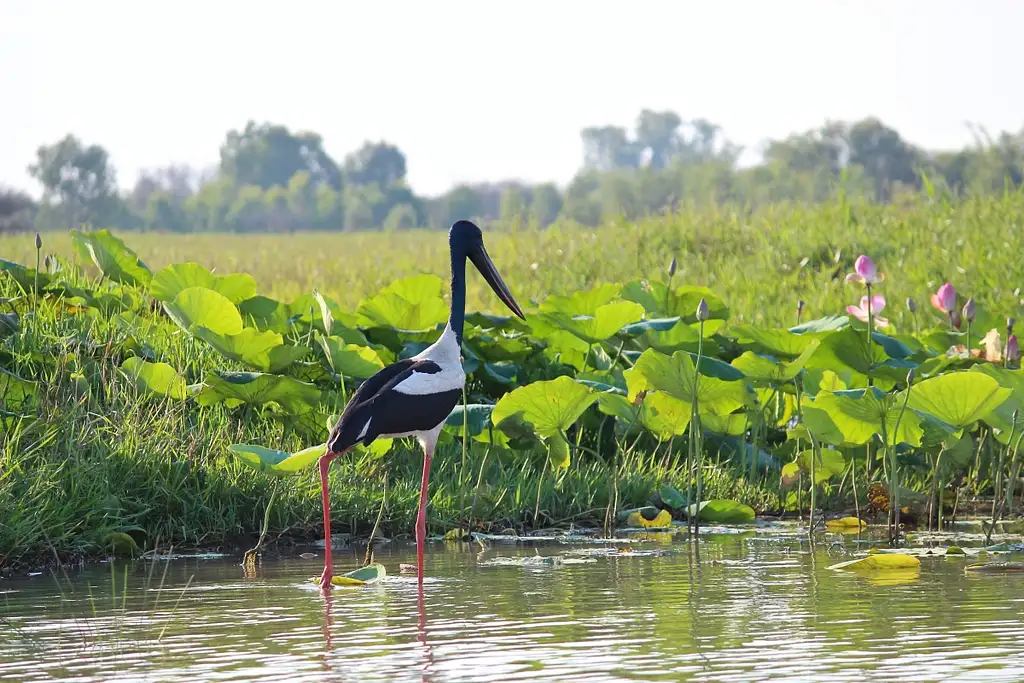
546 204
377 163
265 155
513 204
606 148
657 133
78 182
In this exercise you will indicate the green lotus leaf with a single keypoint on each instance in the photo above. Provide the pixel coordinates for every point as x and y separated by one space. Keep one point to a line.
682 301
676 376
550 407
158 379
723 512
25 277
412 304
275 461
773 342
256 388
766 369
958 398
116 261
859 415
167 283
351 360
201 307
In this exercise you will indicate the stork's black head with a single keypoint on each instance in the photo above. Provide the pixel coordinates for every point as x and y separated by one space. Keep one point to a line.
466 241
464 237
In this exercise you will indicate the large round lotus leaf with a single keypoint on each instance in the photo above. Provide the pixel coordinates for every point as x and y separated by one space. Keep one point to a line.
676 376
158 379
275 461
550 408
16 393
411 304
768 369
255 388
858 415
351 360
879 562
722 511
201 307
605 322
780 343
25 277
116 261
958 398
166 284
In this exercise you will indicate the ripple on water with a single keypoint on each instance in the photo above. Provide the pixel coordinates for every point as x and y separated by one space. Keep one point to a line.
750 610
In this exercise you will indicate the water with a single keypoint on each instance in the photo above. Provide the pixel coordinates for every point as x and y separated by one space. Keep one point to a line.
759 605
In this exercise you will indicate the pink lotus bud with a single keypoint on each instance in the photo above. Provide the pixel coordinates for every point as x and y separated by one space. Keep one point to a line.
672 267
1010 322
945 298
1012 349
911 305
969 310
800 306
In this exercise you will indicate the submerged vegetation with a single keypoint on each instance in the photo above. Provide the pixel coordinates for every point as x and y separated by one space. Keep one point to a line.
172 403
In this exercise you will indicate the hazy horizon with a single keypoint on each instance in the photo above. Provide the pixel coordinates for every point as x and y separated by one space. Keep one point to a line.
475 93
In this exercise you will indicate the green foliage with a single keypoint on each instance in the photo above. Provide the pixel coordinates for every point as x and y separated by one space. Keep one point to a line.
158 379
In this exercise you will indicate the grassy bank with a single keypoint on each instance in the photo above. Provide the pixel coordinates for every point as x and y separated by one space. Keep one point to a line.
94 450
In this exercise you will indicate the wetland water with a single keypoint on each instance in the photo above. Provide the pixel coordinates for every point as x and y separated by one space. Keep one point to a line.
759 605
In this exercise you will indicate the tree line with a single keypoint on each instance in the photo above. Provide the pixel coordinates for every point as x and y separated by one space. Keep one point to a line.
272 179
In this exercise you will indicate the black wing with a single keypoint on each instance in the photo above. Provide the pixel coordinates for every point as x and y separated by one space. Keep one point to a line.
388 411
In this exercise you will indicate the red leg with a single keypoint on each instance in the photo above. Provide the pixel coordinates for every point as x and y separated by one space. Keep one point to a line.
421 518
325 579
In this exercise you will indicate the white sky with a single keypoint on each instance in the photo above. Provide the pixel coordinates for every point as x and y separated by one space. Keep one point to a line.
474 91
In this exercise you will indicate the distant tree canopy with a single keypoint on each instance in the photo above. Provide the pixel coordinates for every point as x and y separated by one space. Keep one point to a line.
273 179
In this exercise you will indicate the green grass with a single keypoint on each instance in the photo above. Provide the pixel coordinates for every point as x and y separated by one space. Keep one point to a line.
755 261
103 458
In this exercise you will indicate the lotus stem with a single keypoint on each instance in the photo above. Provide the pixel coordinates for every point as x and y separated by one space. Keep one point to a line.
853 483
695 430
465 449
871 326
894 480
997 507
249 558
368 558
936 496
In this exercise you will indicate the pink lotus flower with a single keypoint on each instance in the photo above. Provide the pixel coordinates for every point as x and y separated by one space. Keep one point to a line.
1012 349
866 273
861 312
945 298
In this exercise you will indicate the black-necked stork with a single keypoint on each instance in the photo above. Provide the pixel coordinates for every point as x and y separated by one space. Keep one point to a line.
414 397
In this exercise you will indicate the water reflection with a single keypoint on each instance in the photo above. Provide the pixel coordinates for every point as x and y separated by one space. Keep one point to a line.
752 607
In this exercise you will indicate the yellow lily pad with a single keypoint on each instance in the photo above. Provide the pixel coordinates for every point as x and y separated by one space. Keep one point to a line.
662 519
880 562
845 523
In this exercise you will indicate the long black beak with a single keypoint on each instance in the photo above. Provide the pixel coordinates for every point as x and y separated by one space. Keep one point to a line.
486 267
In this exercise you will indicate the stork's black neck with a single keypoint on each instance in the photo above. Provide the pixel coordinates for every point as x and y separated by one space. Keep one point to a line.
458 312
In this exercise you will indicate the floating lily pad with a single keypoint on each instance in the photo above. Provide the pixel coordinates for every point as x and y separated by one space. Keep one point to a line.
371 573
722 511
662 520
879 562
996 567
845 524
